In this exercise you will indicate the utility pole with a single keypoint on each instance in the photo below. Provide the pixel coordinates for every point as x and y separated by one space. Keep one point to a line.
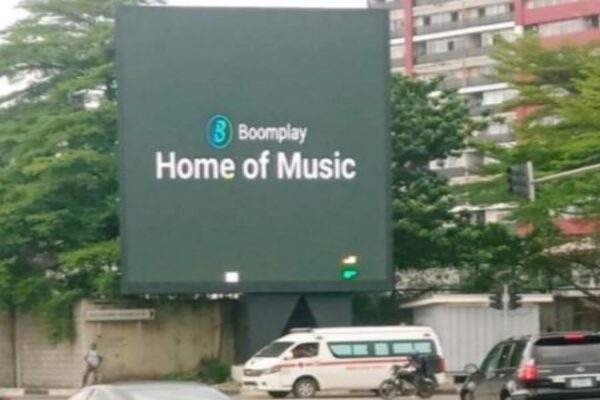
505 300
572 172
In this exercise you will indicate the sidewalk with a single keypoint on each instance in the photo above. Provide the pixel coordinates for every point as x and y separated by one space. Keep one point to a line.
234 389
21 392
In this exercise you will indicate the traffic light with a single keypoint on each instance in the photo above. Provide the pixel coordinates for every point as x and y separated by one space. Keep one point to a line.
520 180
496 300
514 299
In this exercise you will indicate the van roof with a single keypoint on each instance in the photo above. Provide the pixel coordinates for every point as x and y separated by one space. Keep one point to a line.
310 333
363 329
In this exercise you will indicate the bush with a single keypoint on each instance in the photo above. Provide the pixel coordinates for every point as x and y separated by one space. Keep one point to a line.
178 377
213 371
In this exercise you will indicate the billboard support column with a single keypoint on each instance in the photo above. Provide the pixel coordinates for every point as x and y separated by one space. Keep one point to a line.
263 318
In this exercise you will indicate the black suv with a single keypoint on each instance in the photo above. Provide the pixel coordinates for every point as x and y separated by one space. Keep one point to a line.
552 366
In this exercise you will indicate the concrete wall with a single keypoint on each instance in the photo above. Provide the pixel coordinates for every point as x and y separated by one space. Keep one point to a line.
174 343
569 314
7 357
42 363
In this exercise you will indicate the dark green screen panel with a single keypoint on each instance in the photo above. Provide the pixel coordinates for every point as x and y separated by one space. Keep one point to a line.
253 150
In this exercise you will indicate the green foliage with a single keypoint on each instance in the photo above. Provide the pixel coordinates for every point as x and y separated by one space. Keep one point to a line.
213 371
58 188
425 128
430 124
377 309
559 88
178 377
483 193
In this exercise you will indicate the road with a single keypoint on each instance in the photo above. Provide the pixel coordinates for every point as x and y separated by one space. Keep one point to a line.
263 397
346 396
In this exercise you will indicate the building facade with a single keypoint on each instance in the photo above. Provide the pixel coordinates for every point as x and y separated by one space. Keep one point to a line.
454 38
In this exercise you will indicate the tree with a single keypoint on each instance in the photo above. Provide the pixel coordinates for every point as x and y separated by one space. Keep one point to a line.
558 100
58 188
429 124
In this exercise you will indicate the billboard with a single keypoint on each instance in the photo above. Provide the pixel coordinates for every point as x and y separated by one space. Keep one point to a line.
254 150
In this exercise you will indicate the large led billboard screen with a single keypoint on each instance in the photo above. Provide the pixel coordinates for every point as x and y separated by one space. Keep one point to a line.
254 150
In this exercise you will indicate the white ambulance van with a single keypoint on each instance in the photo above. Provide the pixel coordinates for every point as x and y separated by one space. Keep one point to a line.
310 360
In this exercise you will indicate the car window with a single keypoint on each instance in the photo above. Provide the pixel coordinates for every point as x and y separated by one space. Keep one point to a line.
517 354
306 350
504 358
275 349
490 361
565 350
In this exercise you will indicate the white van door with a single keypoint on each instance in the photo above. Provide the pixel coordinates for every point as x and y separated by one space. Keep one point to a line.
353 367
304 362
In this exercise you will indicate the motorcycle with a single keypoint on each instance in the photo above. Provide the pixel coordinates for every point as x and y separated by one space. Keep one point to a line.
408 380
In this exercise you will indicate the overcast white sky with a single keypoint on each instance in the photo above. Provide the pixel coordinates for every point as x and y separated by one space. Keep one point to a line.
9 12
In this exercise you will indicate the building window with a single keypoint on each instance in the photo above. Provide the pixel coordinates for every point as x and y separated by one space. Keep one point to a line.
396 21
545 3
498 129
498 97
490 38
397 51
443 45
498 9
441 18
566 27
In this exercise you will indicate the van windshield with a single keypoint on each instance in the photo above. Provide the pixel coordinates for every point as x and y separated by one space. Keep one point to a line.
275 349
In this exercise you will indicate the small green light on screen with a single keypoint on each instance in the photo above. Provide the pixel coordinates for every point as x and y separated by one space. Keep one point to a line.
349 274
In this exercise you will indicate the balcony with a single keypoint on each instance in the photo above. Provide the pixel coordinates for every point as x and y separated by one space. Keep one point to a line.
465 23
385 4
419 3
457 83
495 138
480 81
397 62
453 55
396 33
478 110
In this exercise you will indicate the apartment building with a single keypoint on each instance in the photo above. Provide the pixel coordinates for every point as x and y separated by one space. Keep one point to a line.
453 38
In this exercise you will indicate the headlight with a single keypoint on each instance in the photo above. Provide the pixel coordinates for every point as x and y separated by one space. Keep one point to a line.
273 370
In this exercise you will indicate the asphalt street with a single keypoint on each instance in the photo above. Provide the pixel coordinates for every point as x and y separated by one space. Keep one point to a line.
264 397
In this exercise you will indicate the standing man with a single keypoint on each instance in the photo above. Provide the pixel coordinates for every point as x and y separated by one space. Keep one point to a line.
92 359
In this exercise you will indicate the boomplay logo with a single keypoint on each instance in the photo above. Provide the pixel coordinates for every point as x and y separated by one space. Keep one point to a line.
219 131
281 165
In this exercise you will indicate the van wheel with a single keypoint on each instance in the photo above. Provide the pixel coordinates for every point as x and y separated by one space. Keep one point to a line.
305 388
278 395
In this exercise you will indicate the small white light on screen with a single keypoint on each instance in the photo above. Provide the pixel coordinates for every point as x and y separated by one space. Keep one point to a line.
232 277
350 260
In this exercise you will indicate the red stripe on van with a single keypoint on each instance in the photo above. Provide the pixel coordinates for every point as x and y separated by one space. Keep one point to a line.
337 363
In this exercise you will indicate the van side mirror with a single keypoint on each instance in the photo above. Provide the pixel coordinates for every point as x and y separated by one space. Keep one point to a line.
471 369
287 357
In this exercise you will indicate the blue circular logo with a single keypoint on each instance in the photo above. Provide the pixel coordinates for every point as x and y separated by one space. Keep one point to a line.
219 131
